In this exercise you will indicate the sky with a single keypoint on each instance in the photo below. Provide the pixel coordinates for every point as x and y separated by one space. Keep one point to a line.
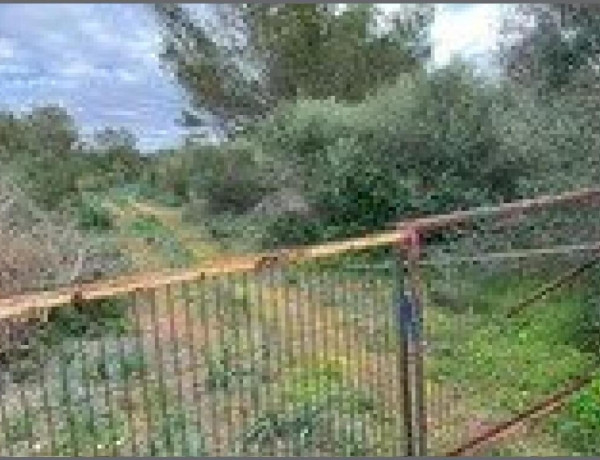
100 61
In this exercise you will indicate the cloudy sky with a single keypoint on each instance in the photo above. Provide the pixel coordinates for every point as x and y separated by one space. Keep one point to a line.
100 61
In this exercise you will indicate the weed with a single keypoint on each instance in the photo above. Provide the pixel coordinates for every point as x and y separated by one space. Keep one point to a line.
222 372
351 440
508 361
80 434
146 227
169 432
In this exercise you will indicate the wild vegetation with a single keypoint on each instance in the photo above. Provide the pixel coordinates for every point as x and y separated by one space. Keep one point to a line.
322 137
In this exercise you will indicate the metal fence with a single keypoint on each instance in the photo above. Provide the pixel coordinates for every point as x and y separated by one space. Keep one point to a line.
445 335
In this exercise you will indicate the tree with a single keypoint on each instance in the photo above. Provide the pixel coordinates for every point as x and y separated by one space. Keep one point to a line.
553 43
119 157
39 148
258 55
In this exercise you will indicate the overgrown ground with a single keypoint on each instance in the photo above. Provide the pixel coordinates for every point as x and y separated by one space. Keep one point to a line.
155 235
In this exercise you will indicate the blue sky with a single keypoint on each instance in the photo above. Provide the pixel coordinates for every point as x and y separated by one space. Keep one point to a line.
100 61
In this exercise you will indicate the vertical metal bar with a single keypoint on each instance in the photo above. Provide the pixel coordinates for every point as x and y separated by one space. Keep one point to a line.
402 308
190 326
42 361
140 339
127 374
162 418
175 336
416 291
410 321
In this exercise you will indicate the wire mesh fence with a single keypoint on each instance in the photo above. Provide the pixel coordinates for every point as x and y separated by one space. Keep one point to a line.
297 360
427 340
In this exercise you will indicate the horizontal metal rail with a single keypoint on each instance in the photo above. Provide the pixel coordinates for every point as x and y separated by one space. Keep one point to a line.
553 285
16 306
19 305
429 223
519 421
522 254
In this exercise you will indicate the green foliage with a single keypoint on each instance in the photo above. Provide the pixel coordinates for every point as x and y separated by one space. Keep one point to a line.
579 426
83 432
117 365
154 232
289 229
146 227
226 370
93 319
554 138
409 149
287 52
223 371
563 40
43 150
351 440
227 177
20 427
173 436
37 147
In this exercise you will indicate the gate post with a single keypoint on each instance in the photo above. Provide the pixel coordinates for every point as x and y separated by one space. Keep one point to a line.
410 321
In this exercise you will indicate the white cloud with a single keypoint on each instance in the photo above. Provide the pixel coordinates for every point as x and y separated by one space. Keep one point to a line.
469 30
7 49
78 69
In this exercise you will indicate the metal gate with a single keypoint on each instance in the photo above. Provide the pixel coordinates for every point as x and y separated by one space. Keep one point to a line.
437 337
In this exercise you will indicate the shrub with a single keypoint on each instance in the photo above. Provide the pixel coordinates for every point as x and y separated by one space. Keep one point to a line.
92 215
426 144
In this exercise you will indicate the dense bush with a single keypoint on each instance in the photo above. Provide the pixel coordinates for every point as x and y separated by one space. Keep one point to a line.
425 144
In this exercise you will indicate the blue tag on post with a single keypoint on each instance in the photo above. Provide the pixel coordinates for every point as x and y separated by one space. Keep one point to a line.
405 313
408 320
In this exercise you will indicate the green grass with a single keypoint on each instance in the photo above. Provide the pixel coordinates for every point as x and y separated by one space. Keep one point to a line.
578 426
151 229
228 370
507 365
528 356
92 215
